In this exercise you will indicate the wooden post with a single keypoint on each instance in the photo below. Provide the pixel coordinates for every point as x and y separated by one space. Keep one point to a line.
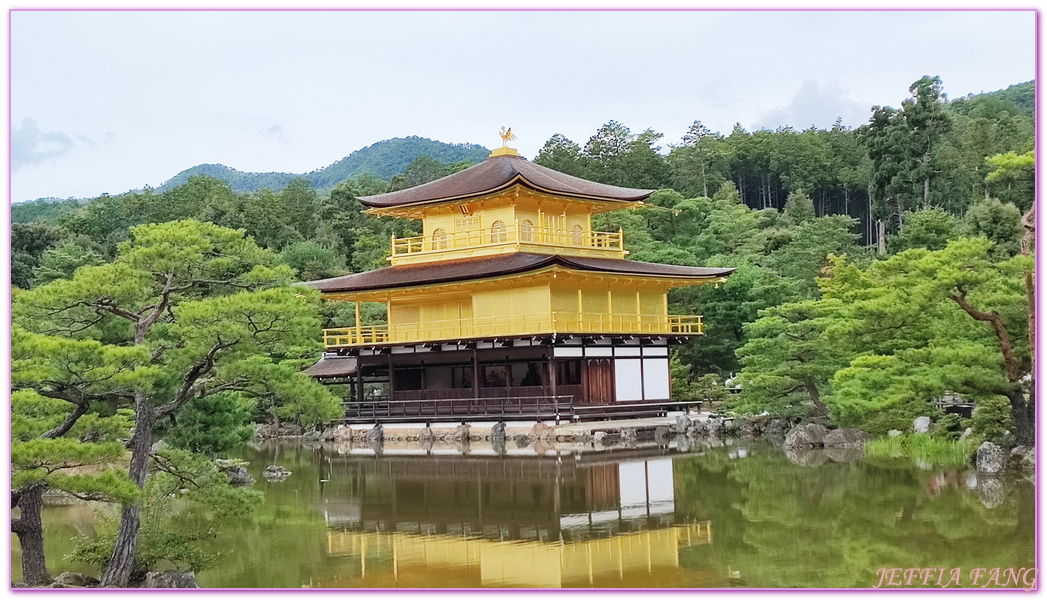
359 379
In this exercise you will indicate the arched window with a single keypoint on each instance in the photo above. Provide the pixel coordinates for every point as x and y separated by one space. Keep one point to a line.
576 235
525 230
439 239
498 232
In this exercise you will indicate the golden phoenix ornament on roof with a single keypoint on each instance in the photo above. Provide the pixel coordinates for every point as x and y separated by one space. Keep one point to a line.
507 136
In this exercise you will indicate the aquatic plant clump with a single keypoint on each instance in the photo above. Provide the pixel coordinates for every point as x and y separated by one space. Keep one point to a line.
921 448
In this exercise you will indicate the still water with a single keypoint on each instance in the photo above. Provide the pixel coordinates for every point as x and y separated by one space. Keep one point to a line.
731 516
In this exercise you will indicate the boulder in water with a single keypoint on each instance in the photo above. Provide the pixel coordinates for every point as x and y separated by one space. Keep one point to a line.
542 432
845 438
461 433
1024 458
498 431
427 437
683 423
990 459
275 473
376 433
811 435
170 579
661 433
237 474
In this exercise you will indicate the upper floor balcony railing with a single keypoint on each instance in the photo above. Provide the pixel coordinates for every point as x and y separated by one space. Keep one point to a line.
513 237
517 325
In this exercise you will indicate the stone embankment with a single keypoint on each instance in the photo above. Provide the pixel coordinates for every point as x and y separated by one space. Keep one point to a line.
600 434
808 444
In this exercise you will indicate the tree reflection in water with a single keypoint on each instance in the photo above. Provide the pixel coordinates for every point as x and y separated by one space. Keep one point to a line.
652 517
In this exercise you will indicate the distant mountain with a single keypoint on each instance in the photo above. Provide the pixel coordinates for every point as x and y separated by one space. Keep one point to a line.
383 160
1022 94
1018 99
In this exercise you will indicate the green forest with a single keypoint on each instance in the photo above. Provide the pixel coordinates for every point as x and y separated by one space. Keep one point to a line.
878 268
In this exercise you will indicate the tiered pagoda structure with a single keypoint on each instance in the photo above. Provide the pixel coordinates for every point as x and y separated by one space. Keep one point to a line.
509 299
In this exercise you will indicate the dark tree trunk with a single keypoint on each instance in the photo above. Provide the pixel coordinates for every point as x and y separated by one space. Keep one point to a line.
869 219
927 192
819 406
705 182
1024 414
30 530
121 563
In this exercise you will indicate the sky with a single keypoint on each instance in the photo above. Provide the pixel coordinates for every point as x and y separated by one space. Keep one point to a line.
109 101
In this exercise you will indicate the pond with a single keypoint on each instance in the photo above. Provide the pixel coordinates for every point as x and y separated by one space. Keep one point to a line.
738 515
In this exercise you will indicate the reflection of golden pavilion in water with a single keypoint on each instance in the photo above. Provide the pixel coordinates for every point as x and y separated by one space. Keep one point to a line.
503 522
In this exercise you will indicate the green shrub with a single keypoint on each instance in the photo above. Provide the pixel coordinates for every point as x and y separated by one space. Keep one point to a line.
312 260
212 425
992 417
710 387
949 427
900 416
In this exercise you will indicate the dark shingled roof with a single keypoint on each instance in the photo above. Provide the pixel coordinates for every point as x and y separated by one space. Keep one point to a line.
332 367
497 173
483 267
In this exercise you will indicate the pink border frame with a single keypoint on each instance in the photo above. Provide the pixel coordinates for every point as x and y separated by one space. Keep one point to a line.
1039 326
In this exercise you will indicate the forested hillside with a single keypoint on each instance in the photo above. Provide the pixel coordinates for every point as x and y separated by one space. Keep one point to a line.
929 152
876 267
382 160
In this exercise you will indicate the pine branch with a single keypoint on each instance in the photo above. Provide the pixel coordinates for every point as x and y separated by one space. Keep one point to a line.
162 464
185 393
70 420
993 318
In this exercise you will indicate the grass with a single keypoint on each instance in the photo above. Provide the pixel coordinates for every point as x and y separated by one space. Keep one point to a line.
920 447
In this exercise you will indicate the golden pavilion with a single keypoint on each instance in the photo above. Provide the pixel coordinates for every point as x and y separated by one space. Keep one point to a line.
509 305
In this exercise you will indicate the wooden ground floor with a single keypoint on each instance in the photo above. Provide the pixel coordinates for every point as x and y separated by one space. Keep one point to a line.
488 378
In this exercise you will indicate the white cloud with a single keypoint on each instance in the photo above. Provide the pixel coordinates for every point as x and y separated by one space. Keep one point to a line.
816 104
275 133
30 146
